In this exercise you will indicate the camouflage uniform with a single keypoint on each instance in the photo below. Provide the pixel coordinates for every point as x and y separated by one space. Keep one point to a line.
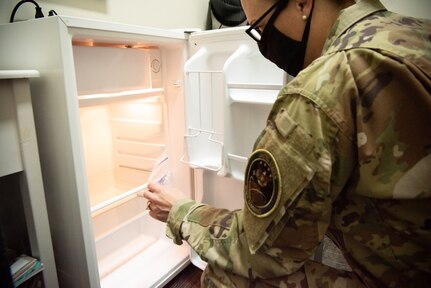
346 152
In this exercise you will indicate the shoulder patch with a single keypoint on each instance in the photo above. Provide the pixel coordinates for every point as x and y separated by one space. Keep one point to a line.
262 189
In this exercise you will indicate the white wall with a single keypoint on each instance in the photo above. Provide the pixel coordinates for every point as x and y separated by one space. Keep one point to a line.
161 13
170 14
417 8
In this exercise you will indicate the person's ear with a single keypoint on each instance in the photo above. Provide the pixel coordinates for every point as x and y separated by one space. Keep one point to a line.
304 7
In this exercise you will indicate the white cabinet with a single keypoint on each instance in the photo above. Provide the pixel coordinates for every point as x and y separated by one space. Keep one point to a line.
19 154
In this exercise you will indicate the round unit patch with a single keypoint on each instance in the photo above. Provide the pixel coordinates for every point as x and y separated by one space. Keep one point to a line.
262 184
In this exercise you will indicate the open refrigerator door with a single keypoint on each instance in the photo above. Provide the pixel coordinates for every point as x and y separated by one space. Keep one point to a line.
229 90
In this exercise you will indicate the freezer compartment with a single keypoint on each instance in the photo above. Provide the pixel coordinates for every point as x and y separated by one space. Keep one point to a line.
106 67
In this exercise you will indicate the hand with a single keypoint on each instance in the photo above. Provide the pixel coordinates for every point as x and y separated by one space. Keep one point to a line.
161 199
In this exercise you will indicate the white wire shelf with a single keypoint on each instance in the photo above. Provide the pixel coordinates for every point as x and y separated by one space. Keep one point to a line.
100 98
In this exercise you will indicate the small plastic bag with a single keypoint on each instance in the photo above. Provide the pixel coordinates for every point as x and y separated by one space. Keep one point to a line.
160 172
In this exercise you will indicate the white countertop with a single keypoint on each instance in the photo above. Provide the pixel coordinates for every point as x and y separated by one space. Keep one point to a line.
15 74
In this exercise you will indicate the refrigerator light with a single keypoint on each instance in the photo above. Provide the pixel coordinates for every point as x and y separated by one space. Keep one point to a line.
102 43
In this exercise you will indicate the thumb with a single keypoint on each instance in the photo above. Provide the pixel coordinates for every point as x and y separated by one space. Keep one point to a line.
151 188
153 191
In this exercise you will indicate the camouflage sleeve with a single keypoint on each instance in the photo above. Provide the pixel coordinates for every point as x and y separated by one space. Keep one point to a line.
219 238
215 234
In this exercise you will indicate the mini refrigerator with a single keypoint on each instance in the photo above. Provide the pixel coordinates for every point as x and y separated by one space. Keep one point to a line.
111 100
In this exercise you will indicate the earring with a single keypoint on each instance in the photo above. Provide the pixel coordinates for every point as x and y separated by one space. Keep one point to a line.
304 17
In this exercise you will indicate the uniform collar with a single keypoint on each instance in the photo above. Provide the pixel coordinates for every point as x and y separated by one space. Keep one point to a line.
349 16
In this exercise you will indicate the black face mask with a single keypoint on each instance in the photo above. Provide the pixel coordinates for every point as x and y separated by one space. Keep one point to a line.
286 53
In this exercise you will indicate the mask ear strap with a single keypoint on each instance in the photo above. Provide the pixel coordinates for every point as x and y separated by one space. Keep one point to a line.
304 40
280 6
307 28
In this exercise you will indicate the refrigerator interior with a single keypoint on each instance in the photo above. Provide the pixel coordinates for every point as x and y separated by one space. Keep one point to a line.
124 123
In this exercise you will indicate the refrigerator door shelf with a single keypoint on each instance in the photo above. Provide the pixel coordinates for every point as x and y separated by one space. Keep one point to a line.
210 151
237 165
252 93
229 93
204 113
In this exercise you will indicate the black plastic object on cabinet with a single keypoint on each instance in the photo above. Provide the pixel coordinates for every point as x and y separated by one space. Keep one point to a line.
228 12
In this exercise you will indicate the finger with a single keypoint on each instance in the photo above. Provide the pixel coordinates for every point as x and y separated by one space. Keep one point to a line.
144 192
147 194
155 187
151 188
